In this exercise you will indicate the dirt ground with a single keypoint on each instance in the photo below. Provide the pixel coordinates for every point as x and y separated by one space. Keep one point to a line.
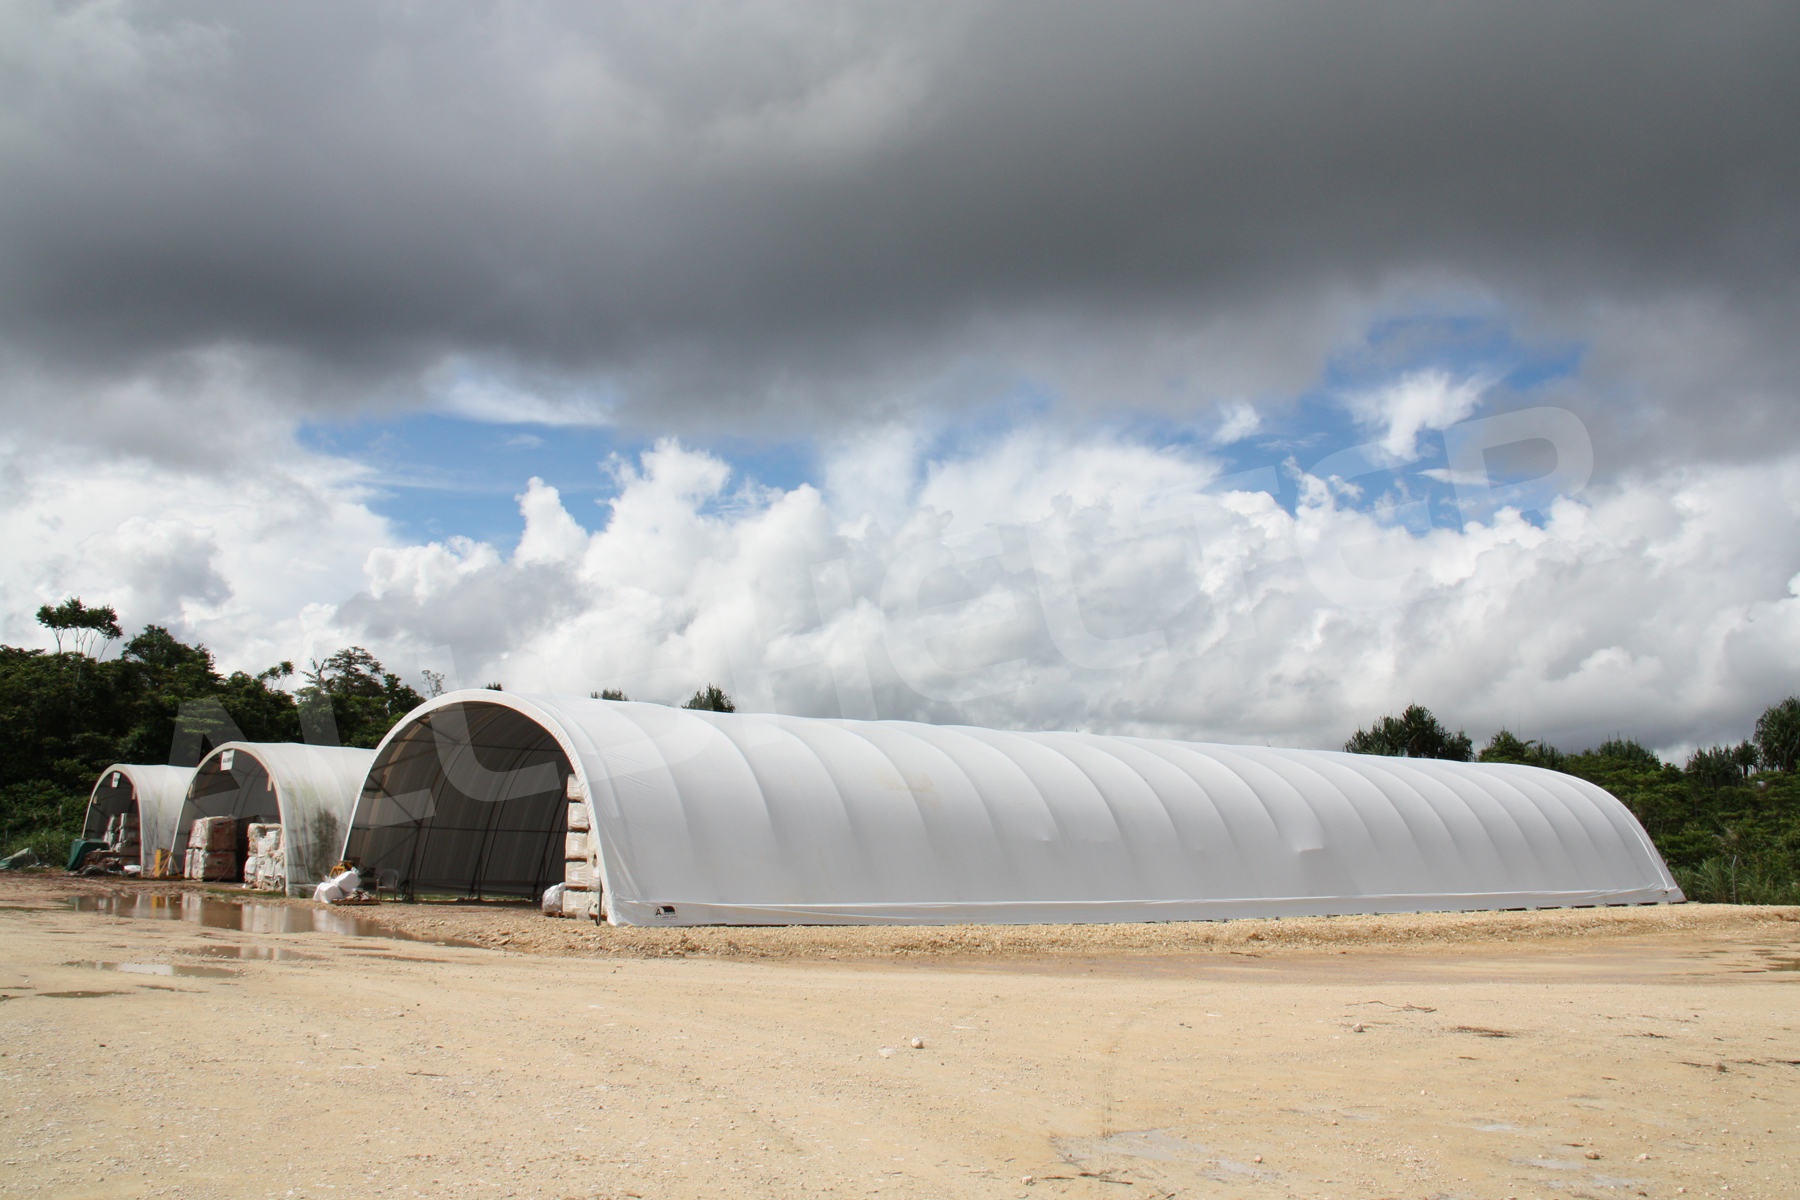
279 1050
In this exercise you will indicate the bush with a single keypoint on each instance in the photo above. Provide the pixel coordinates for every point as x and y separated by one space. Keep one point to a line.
1725 879
40 815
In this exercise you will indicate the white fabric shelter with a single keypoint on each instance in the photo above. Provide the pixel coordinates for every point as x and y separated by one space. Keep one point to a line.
154 793
714 818
310 790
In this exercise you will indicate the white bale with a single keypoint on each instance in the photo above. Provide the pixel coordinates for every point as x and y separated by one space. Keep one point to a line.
337 887
553 900
578 814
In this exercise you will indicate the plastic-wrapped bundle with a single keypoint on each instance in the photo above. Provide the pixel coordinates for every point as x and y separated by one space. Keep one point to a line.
210 864
213 833
553 900
338 887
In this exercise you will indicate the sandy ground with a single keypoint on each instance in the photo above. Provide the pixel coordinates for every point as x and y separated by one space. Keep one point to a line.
1593 1053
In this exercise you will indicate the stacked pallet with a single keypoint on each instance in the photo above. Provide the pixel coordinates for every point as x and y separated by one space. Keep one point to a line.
122 835
581 854
212 849
264 864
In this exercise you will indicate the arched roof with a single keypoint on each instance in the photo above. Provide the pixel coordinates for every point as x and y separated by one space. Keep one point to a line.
311 790
708 818
155 791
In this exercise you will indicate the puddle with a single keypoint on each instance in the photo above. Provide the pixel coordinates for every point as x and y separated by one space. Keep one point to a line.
247 916
80 995
158 969
1777 964
257 953
1158 1146
1550 1164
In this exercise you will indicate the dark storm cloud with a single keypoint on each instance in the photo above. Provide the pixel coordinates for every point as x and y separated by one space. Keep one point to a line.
788 205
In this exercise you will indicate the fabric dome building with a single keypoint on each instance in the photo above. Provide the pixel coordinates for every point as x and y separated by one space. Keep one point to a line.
718 818
309 790
151 794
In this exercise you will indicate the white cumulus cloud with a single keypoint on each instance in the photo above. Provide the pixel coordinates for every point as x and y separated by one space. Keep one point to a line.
1040 581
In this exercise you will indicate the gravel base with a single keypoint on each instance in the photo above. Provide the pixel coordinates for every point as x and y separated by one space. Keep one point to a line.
518 926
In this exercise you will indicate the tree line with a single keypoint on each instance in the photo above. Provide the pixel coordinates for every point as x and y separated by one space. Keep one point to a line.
1727 821
67 714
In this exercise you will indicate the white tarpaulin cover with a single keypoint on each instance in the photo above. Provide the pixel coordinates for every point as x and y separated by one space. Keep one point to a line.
310 790
153 793
715 818
710 817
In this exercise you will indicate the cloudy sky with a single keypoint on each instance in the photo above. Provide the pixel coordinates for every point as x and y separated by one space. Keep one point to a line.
1226 371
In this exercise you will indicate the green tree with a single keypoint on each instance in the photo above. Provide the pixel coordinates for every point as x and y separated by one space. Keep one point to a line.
1778 736
366 699
1714 767
711 699
1506 746
1415 733
83 626
1629 752
59 727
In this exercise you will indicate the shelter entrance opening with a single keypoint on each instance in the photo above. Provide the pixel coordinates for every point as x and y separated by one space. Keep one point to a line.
230 805
468 800
112 833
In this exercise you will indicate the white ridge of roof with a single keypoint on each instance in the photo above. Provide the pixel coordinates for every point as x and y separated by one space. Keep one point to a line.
719 818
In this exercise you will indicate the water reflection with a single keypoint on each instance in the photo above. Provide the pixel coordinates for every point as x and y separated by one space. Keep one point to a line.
259 953
157 969
245 916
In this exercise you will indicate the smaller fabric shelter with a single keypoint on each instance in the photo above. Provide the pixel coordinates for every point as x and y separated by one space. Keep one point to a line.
310 790
152 794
